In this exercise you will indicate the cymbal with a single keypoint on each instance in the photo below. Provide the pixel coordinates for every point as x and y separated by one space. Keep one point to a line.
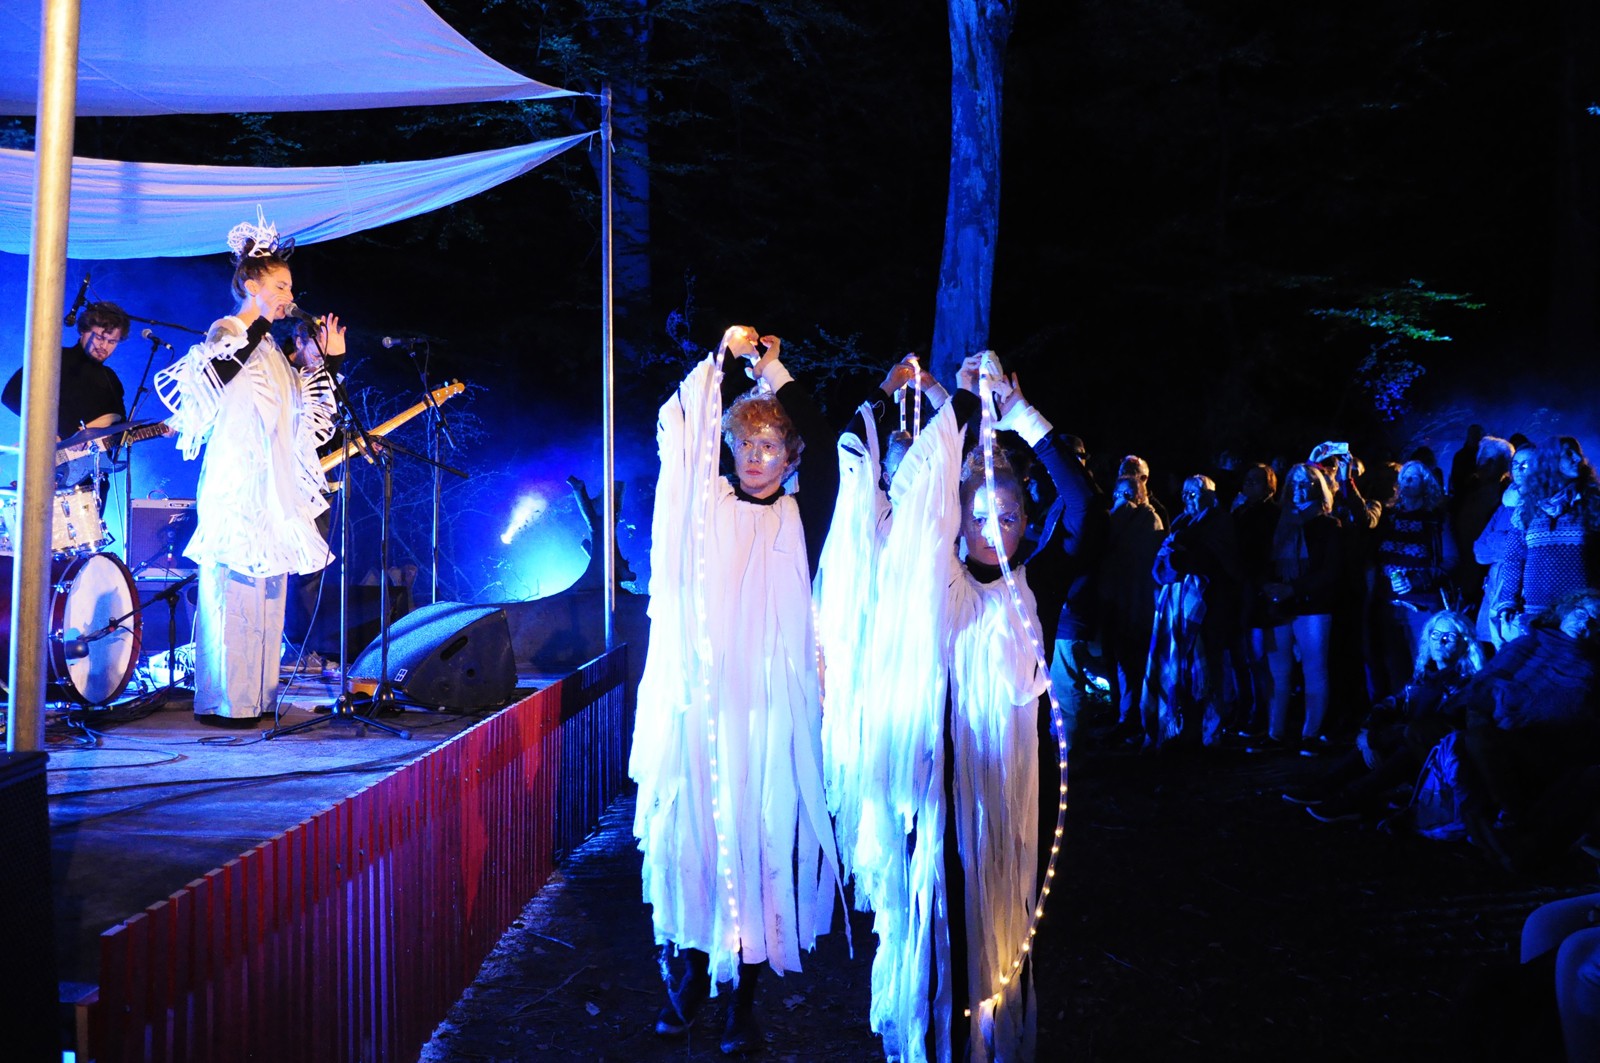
89 435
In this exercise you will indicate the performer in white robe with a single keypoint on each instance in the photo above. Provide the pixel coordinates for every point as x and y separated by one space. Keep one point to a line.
950 779
260 421
739 861
846 576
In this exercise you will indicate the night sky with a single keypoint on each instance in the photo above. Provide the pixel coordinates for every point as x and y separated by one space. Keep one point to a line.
1185 185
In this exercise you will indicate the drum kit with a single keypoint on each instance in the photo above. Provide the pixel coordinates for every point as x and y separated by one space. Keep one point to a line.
95 622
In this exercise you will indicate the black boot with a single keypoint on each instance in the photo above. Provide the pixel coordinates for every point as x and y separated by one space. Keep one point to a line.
741 1033
685 995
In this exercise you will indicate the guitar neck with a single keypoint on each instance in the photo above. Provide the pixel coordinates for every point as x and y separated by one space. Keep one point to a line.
443 394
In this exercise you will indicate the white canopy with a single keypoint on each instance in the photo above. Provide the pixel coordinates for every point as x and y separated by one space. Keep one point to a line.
154 210
140 57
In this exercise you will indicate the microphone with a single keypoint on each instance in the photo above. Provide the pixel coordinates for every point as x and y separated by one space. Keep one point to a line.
157 340
403 341
300 315
77 302
73 649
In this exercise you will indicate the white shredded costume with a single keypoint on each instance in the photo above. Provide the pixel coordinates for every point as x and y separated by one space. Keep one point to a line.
259 495
845 579
959 657
727 734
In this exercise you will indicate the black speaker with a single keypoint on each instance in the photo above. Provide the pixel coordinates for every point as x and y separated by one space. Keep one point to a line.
448 655
28 983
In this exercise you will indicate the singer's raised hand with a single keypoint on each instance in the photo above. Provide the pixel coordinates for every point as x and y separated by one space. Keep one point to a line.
330 337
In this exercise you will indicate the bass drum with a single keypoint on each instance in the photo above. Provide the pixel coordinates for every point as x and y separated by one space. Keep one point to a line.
90 661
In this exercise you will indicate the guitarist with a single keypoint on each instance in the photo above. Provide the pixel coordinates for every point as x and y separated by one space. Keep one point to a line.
91 393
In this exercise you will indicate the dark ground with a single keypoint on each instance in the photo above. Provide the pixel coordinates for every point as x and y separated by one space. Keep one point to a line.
1199 917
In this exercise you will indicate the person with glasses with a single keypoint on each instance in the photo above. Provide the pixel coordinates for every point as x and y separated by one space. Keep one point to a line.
1558 550
1401 729
91 392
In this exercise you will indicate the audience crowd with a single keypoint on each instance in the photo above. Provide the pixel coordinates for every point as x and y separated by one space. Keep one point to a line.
1431 638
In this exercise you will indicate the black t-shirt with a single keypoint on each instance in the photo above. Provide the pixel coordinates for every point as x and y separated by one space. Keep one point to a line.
89 389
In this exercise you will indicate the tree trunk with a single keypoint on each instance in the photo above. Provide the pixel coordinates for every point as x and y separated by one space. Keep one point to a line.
979 30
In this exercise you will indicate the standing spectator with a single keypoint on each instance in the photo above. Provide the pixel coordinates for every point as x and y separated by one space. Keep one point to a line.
1413 557
1494 544
1559 518
1306 572
1471 508
1255 517
1127 598
1197 612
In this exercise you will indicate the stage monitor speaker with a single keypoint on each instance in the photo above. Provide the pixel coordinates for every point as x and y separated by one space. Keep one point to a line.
28 990
159 530
448 655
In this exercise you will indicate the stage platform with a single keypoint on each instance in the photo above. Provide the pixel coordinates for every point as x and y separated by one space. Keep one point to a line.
209 883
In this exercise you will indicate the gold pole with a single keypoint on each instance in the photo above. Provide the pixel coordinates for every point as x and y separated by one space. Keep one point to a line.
41 373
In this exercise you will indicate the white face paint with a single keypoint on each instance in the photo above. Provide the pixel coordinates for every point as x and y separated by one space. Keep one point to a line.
761 461
975 524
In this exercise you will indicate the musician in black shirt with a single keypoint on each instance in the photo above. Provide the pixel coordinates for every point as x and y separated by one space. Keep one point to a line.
90 390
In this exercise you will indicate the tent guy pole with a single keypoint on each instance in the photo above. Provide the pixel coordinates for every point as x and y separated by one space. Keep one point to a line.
608 448
41 374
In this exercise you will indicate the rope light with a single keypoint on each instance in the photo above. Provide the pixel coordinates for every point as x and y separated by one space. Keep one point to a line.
986 378
708 465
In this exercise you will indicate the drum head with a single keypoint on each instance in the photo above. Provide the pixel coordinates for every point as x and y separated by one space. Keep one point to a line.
91 593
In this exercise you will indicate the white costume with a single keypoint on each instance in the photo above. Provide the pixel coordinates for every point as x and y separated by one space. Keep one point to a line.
727 737
845 579
258 499
952 652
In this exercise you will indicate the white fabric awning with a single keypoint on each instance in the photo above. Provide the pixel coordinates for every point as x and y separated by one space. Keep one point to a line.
155 210
138 57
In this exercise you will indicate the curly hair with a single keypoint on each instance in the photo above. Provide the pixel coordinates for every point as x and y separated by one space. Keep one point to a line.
754 410
1424 496
1545 482
1470 660
1570 603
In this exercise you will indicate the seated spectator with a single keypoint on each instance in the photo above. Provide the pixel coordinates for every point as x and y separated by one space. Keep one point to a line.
1529 745
1399 730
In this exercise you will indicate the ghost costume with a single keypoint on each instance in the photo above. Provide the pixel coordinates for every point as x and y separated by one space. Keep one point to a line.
739 858
951 760
260 421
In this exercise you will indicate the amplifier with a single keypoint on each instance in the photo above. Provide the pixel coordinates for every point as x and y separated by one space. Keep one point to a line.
159 530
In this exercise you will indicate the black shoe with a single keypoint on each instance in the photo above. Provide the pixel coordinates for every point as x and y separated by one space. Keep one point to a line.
1268 745
232 723
741 1033
1333 812
1304 797
677 1014
1315 746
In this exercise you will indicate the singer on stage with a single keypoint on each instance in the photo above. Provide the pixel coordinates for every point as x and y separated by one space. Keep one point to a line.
90 390
260 420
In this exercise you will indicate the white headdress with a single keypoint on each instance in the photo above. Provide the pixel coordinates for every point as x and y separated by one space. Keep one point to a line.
260 236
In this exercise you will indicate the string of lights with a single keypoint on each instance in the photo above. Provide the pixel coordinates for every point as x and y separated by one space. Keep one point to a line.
987 377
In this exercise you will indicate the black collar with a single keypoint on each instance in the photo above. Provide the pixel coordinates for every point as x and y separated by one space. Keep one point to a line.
742 495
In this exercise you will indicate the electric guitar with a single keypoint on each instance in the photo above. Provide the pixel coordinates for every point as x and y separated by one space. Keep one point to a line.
78 455
440 394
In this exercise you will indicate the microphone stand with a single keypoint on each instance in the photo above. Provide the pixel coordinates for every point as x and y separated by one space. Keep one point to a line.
342 713
133 416
383 698
436 424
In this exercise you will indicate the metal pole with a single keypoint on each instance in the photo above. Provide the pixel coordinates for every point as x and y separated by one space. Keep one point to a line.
608 453
41 372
